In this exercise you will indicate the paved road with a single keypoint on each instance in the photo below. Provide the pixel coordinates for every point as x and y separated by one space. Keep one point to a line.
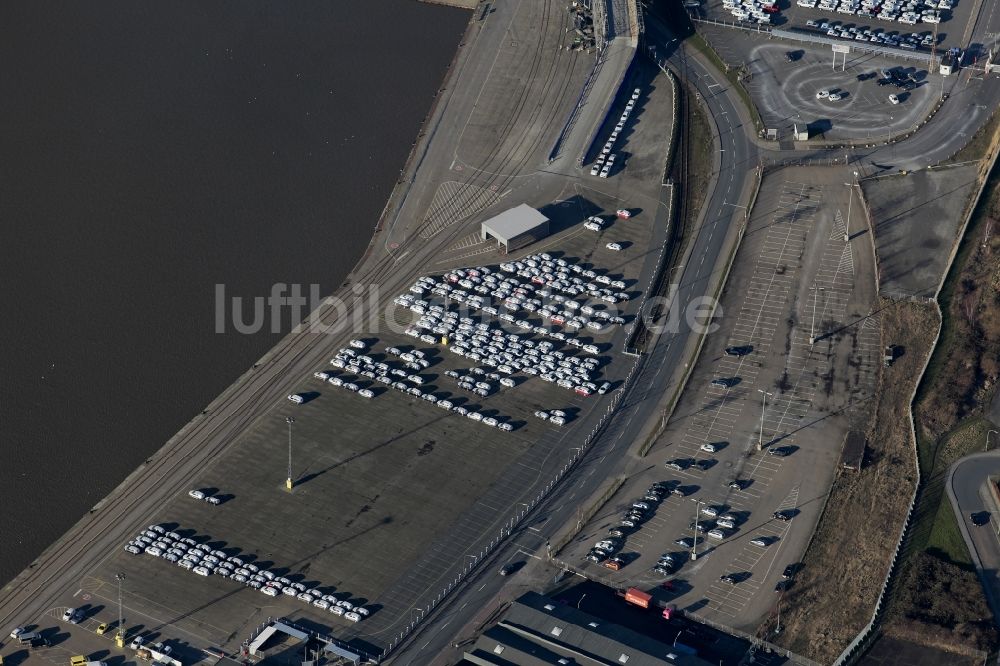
965 111
967 490
165 474
656 378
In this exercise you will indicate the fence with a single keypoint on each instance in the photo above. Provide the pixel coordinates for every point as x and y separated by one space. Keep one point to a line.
869 633
864 47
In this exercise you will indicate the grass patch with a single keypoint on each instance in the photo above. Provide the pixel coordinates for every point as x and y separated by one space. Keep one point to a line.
978 145
946 540
706 49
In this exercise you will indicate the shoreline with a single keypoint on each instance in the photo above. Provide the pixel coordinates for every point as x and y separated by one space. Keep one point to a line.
22 589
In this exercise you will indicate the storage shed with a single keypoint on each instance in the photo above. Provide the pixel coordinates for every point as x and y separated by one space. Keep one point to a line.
516 227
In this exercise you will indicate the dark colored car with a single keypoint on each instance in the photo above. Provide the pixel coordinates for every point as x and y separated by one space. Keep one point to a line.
684 542
725 382
742 350
737 484
980 518
508 569
780 451
679 464
704 465
782 515
790 571
783 585
729 578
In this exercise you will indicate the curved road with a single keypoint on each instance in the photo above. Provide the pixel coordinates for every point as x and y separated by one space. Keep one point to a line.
967 490
738 153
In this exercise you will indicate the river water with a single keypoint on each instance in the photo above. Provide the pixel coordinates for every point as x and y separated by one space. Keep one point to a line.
149 151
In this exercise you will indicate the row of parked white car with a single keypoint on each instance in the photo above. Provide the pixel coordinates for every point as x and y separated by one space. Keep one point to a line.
201 559
754 11
606 160
908 12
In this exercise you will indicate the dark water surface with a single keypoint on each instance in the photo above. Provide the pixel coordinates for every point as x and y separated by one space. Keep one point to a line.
149 150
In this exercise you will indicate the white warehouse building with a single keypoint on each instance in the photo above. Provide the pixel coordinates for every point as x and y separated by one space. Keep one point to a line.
516 227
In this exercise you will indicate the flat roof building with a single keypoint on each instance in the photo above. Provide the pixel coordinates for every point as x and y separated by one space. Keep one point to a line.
516 227
537 631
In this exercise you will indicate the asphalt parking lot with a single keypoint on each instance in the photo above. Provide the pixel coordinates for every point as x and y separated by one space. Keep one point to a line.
952 31
785 93
793 259
392 494
916 219
633 183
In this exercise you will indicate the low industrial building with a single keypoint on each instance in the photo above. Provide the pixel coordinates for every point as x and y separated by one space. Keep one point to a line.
517 227
538 631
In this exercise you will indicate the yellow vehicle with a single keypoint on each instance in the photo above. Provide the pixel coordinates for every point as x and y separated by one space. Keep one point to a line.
101 628
78 660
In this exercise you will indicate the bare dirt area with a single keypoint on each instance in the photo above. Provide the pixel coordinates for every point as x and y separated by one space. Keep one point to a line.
832 597
958 387
964 372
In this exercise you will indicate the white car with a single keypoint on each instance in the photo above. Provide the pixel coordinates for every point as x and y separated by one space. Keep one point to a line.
614 246
197 494
893 99
623 213
269 591
296 398
357 344
835 97
323 375
136 643
605 170
822 94
213 500
596 169
759 542
365 393
337 610
154 551
353 617
592 225
709 448
557 420
202 571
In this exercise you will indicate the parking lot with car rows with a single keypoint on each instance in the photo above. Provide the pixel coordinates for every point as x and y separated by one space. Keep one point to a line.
467 411
744 503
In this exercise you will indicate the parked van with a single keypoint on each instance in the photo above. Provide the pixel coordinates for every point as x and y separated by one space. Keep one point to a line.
27 637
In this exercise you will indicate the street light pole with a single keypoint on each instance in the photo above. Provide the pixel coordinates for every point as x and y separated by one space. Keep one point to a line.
694 540
763 407
120 635
288 480
988 433
812 328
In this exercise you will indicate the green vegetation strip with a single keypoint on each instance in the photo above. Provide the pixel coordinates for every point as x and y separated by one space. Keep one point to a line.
706 49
